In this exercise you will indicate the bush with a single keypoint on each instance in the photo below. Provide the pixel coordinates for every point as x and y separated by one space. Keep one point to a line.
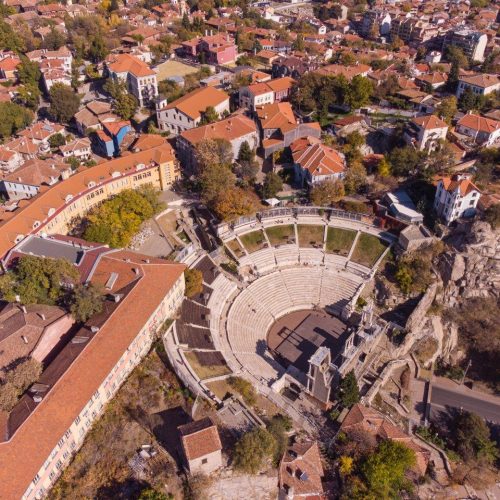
253 449
245 388
17 380
194 282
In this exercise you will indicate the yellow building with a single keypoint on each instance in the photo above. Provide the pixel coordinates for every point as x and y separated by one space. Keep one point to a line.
55 207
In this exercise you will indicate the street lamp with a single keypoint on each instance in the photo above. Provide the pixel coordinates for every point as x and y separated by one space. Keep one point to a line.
465 372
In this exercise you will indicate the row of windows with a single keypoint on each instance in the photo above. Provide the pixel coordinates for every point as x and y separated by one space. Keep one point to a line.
98 192
142 176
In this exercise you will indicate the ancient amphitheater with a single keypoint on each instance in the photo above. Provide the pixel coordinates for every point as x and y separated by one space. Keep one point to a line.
287 260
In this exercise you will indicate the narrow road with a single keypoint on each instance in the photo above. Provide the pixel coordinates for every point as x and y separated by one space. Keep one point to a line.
443 397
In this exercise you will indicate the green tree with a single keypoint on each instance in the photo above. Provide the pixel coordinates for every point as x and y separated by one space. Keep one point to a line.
404 277
384 471
492 215
359 92
14 118
253 449
406 161
469 101
215 179
85 301
29 95
472 438
54 40
447 109
28 71
355 178
349 391
9 39
233 202
97 50
57 140
246 152
125 106
272 185
194 282
64 103
299 44
152 494
327 192
39 280
384 167
209 116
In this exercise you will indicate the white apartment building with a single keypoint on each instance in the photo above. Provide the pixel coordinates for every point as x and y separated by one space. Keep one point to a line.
456 197
481 84
140 78
187 112
425 132
255 95
38 451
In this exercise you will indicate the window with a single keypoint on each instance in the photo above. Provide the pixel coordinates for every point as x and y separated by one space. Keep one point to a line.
204 461
77 420
36 479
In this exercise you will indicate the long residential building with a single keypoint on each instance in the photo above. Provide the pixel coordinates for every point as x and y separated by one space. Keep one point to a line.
54 208
49 424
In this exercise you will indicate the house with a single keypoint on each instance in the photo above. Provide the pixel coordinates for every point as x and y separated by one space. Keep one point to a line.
432 80
26 181
456 197
425 132
79 148
301 473
315 162
367 420
481 84
8 67
55 65
140 78
349 72
212 49
109 140
30 331
201 446
483 131
9 160
187 111
236 129
35 447
279 127
94 115
292 66
268 92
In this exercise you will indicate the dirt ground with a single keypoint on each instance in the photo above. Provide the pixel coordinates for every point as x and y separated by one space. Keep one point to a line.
174 68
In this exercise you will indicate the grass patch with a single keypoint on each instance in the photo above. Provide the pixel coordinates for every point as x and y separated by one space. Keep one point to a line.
278 235
339 241
368 250
310 236
235 247
253 241
220 388
201 366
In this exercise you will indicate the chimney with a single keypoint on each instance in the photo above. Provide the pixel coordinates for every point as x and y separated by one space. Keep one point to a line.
23 308
42 316
25 340
94 329
136 271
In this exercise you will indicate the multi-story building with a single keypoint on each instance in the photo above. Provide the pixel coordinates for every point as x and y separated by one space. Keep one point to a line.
413 30
456 197
49 424
473 43
260 94
54 209
187 112
480 84
236 129
212 49
375 23
425 132
139 77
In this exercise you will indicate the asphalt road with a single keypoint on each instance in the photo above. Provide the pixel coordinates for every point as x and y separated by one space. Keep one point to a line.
442 398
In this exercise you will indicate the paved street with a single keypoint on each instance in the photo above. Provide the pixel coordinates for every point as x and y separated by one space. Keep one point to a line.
486 406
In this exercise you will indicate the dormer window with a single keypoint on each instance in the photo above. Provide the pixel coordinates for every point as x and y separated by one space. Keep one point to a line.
36 224
91 184
51 211
115 174
19 238
68 198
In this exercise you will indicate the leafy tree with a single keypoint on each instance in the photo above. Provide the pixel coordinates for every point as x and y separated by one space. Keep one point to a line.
327 192
469 101
441 160
278 427
16 380
349 391
9 39
233 202
54 40
272 185
39 280
29 95
246 152
194 282
346 465
28 71
253 449
404 277
384 471
210 152
64 103
97 50
447 109
214 180
472 438
209 116
355 178
150 493
14 118
125 106
57 140
384 167
299 44
85 301
359 92
492 215
405 161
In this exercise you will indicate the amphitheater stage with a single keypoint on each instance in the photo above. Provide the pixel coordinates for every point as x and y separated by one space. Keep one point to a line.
295 337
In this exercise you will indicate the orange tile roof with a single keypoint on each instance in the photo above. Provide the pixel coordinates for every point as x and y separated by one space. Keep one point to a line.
319 159
21 221
197 101
482 80
429 122
126 63
479 123
23 456
200 438
349 72
465 186
231 128
276 115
